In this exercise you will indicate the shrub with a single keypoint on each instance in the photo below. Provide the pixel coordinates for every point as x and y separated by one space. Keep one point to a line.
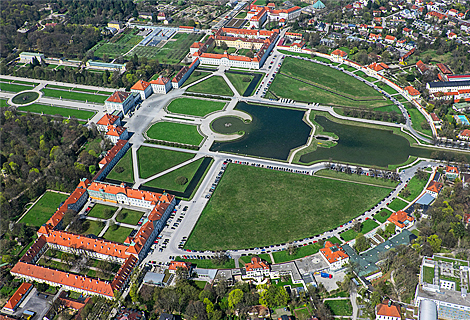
119 169
181 180
246 79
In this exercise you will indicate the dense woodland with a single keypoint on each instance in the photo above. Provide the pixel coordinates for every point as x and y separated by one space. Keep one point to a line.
39 152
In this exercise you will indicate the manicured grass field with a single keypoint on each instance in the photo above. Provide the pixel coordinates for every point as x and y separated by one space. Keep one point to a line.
357 178
397 204
428 275
3 103
263 256
14 87
119 235
261 200
326 77
366 227
237 81
195 76
208 263
304 55
98 211
51 110
417 119
129 216
283 256
194 107
43 209
386 88
174 50
118 48
155 160
168 181
72 95
175 132
25 97
94 227
125 163
415 186
286 87
339 307
215 85
383 215
389 108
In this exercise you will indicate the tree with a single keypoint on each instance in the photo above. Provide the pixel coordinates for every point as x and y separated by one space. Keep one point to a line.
274 296
234 298
435 242
390 228
362 243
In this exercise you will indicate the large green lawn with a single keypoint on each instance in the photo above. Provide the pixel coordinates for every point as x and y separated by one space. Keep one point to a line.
194 107
383 215
43 209
123 170
252 205
102 211
118 235
284 256
195 76
62 111
418 119
14 87
285 87
358 178
93 227
73 95
339 307
3 103
237 81
168 181
129 216
367 226
215 85
175 132
397 204
155 160
415 186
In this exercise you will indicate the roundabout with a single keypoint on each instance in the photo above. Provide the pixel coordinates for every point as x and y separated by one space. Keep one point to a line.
24 98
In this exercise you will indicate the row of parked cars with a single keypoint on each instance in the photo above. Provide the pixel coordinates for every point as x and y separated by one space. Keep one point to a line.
217 179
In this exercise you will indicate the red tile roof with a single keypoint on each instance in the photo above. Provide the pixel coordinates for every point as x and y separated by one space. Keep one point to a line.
140 85
160 81
59 214
399 218
118 96
412 91
340 53
113 152
256 264
34 250
378 66
124 272
108 119
443 68
333 253
451 169
434 186
63 278
434 117
116 131
389 311
18 295
465 133
180 264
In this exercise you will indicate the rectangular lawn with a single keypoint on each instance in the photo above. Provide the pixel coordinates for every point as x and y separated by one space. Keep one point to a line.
339 307
284 256
415 186
100 211
366 227
237 81
129 216
73 95
118 235
168 181
175 132
383 215
397 204
194 107
43 209
14 87
62 111
155 160
93 227
215 85
123 170
252 205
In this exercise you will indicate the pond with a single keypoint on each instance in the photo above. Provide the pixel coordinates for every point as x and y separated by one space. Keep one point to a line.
272 133
361 145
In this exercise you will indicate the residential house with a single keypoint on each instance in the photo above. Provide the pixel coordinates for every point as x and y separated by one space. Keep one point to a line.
464 134
452 172
434 188
435 119
375 68
334 255
143 88
146 15
115 133
387 311
401 220
257 268
121 101
339 55
174 265
390 39
422 68
106 121
161 85
411 92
